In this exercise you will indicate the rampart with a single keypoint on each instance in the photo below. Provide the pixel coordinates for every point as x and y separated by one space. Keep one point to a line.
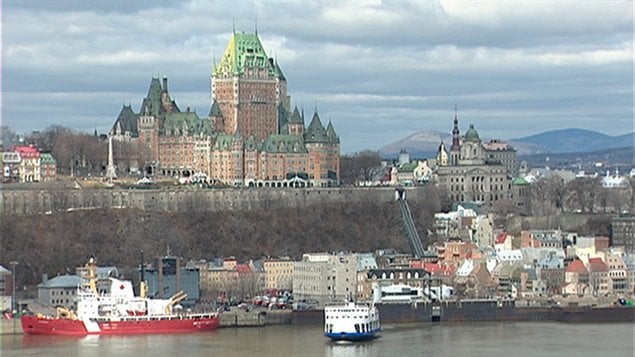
21 202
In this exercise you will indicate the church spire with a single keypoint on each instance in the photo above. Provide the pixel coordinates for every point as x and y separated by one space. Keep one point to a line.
455 131
455 149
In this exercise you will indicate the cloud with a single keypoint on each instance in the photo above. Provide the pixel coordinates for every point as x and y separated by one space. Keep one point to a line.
378 70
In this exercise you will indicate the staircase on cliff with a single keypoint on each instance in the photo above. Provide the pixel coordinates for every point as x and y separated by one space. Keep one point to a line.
413 236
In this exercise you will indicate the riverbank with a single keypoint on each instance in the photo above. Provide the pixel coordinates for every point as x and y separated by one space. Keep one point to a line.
448 312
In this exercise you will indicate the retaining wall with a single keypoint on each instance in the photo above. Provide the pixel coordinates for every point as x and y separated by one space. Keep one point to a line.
186 200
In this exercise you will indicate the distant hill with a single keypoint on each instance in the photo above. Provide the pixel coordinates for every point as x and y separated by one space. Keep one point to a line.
425 144
587 161
573 140
418 145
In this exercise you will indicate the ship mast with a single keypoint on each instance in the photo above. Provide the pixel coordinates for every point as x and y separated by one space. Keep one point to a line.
143 285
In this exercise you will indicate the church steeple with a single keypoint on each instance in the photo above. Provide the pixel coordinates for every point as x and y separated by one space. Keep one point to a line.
455 149
455 131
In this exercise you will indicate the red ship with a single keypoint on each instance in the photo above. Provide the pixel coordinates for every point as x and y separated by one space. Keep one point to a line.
119 312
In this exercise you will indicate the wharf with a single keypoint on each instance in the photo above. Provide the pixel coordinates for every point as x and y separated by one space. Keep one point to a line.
254 318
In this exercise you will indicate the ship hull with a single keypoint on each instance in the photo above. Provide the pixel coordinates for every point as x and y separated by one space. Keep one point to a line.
37 325
354 336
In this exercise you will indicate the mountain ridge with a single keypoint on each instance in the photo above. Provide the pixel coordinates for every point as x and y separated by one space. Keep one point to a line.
426 143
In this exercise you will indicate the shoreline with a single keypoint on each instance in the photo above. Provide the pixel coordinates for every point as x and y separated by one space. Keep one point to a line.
416 313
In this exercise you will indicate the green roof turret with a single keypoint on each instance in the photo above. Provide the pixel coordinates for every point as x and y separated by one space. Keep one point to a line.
472 134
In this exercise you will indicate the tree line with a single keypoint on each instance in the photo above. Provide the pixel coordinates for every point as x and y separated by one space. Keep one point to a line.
77 153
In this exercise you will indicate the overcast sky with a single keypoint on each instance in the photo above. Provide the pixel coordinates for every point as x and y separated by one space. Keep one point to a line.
379 71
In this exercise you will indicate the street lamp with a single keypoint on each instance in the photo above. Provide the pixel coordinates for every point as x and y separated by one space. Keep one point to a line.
13 304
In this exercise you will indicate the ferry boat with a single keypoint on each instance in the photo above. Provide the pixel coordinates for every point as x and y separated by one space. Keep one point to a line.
351 322
118 312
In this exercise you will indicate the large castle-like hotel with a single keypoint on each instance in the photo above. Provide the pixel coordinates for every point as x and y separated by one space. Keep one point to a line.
251 136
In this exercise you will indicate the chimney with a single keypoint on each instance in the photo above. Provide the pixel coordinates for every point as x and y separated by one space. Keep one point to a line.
165 83
45 278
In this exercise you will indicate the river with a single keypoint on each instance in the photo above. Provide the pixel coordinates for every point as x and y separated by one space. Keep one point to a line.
518 339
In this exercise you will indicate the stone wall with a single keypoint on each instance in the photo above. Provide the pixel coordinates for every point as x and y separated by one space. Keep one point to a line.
186 200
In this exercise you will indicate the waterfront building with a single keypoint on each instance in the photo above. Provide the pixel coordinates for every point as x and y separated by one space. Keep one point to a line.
323 278
552 271
599 277
226 280
629 264
413 279
58 291
251 137
476 172
278 274
576 279
166 277
217 280
62 289
618 272
365 263
508 275
473 279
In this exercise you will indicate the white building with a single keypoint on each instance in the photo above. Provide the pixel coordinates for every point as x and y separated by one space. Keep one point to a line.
321 278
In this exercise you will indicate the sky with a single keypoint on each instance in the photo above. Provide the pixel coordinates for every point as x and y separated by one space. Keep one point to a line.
378 70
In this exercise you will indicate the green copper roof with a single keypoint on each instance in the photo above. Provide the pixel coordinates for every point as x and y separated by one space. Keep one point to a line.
471 134
284 144
152 103
409 167
224 142
215 110
296 117
244 51
251 144
315 132
187 123
47 158
331 135
519 181
127 120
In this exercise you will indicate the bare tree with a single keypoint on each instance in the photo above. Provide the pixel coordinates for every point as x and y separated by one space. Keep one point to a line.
583 192
361 166
547 196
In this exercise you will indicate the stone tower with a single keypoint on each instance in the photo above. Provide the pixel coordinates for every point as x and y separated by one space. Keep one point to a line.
248 87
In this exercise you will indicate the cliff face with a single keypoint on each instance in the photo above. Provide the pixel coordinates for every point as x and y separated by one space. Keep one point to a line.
59 241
